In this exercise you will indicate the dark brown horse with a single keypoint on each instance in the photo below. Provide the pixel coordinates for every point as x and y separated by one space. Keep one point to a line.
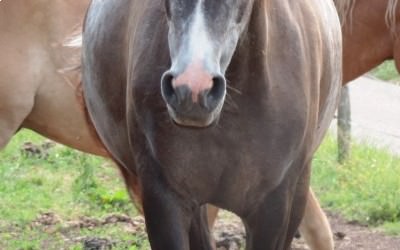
220 102
371 34
46 101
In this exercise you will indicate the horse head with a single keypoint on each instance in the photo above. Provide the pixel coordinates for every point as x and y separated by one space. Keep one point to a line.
202 38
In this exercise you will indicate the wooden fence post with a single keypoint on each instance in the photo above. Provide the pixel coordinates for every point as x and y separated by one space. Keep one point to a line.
344 126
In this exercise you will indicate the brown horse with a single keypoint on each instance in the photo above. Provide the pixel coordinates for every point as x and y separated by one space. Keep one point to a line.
371 34
33 92
46 102
155 83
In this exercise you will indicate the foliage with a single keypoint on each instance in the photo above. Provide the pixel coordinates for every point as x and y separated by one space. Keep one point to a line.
387 72
366 188
67 183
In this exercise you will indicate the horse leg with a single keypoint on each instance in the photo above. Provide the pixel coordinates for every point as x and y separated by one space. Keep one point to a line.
212 213
274 222
299 202
172 223
267 226
200 237
315 227
199 234
132 185
14 108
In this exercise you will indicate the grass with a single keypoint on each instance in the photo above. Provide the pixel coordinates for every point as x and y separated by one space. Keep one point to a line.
67 183
73 186
366 188
387 72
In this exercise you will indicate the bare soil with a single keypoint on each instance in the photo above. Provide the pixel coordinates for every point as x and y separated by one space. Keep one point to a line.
229 233
348 235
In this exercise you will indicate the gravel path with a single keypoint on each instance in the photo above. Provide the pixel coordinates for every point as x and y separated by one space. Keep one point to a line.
375 107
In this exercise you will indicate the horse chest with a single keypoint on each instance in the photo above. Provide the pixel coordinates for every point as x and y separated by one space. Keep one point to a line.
218 158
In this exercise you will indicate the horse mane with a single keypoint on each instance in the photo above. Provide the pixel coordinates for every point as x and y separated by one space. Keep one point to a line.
390 16
345 10
73 45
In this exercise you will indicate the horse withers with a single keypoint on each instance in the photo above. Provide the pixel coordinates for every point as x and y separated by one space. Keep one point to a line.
220 102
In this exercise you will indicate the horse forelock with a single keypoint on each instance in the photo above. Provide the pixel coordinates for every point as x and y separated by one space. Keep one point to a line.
345 10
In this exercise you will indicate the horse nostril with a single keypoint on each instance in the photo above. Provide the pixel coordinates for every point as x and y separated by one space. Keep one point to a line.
167 90
212 97
218 88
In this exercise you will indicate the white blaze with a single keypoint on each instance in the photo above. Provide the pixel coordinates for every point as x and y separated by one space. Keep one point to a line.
199 41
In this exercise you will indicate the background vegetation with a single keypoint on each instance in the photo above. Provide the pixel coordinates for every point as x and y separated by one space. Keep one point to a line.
59 201
387 71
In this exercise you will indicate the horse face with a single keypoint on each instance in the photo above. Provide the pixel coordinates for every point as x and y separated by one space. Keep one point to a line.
202 38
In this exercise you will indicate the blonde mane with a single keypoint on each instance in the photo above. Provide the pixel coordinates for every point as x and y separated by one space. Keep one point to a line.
345 10
390 16
71 49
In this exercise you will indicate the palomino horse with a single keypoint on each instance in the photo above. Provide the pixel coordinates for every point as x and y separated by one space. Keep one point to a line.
155 88
371 34
42 98
33 93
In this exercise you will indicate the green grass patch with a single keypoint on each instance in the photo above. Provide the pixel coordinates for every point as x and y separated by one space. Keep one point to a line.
392 228
67 183
366 188
387 72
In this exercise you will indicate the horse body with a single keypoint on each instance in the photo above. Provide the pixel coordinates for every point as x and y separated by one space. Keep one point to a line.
42 98
370 35
252 152
33 92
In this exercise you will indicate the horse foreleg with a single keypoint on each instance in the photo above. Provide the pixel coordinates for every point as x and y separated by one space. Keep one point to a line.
132 186
172 224
314 227
212 213
14 108
200 237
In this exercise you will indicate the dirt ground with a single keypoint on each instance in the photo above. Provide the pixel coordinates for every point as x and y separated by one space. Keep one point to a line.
228 232
347 235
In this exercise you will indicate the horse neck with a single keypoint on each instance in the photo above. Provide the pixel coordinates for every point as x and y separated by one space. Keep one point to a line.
251 47
367 38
